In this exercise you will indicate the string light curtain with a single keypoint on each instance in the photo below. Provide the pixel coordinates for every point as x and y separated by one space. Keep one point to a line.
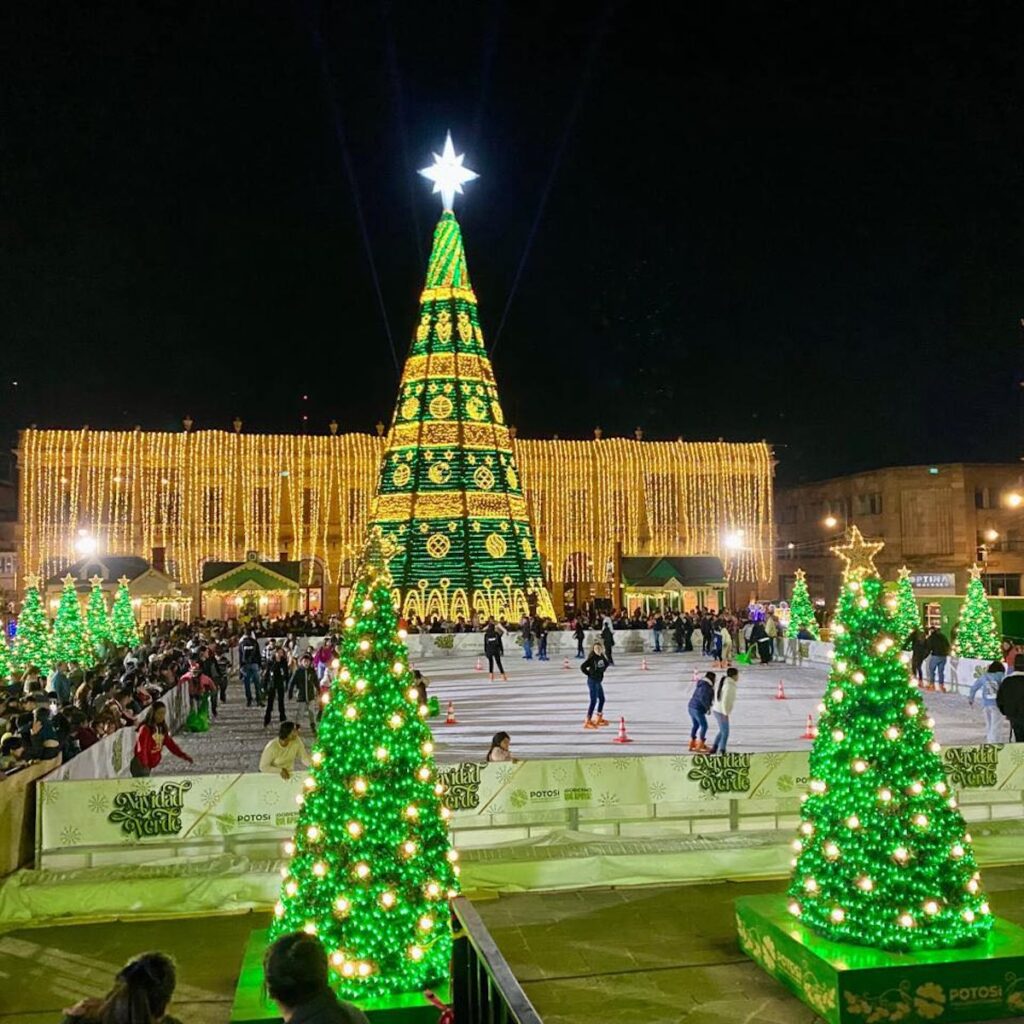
205 495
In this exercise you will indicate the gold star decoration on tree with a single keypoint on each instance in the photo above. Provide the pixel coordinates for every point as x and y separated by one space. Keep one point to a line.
975 571
800 575
858 555
95 580
904 572
123 581
32 581
69 580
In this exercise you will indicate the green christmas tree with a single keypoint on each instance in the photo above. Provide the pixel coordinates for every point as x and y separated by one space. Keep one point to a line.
977 636
883 856
70 637
32 641
371 867
97 616
123 630
906 616
801 611
6 666
449 495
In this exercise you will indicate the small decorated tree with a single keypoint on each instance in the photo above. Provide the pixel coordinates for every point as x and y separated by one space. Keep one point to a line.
906 616
801 611
97 617
70 636
883 856
123 630
6 666
32 636
977 636
371 867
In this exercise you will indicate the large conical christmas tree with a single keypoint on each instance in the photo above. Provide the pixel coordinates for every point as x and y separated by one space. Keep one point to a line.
801 611
884 858
32 635
371 867
906 616
123 629
976 635
70 636
449 498
97 617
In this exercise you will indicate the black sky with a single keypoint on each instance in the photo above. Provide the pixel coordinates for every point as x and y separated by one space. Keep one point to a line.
799 222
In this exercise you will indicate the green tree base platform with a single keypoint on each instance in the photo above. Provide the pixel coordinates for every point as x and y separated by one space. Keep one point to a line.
848 984
251 1006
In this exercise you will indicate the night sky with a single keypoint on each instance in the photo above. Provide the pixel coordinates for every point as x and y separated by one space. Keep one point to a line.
759 221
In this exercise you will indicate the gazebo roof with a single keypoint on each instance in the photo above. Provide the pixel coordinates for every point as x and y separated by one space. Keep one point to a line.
110 568
672 571
226 577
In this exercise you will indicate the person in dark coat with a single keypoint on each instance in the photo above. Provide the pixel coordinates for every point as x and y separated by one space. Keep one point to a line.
494 649
580 634
277 681
295 973
1010 699
701 699
609 641
938 654
142 990
918 654
594 668
306 687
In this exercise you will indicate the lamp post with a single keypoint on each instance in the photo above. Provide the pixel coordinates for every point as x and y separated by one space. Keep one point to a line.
85 544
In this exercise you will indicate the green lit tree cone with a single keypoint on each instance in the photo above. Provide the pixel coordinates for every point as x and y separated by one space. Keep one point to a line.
977 636
801 610
371 868
883 857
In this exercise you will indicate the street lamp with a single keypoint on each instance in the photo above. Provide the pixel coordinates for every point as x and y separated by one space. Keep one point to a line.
831 522
85 544
991 535
1013 499
734 540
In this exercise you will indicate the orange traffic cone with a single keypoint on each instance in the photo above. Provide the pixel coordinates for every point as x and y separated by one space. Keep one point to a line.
479 664
810 730
622 737
565 664
780 694
643 665
450 719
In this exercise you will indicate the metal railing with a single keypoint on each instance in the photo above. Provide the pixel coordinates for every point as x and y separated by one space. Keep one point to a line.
484 989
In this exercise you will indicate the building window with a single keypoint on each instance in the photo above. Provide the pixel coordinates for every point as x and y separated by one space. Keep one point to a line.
868 504
982 497
7 564
1000 584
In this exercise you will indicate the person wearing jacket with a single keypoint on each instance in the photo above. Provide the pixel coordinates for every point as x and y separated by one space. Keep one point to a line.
542 640
938 651
580 635
152 739
701 699
306 687
250 661
295 974
918 654
493 649
594 668
1010 699
608 638
277 680
725 698
988 684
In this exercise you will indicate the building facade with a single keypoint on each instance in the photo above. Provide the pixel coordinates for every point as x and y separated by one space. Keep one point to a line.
184 499
938 520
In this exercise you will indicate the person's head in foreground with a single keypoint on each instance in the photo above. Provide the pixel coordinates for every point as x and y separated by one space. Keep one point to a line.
295 974
141 993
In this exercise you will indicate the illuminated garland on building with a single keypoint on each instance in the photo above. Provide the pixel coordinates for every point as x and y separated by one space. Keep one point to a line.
667 497
883 857
370 867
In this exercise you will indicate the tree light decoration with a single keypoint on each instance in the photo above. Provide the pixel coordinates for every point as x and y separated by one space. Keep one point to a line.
367 872
977 636
902 878
70 638
801 610
906 616
32 641
123 629
97 615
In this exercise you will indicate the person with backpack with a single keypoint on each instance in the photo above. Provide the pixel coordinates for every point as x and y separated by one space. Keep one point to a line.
725 699
701 700
594 669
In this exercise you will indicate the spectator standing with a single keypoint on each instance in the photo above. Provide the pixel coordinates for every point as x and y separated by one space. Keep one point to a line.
608 638
580 634
542 640
277 682
918 654
250 661
526 634
60 684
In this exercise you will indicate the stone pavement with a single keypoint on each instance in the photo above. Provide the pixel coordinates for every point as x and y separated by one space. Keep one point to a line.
542 706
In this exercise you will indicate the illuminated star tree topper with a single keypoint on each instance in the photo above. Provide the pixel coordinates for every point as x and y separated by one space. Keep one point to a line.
448 174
